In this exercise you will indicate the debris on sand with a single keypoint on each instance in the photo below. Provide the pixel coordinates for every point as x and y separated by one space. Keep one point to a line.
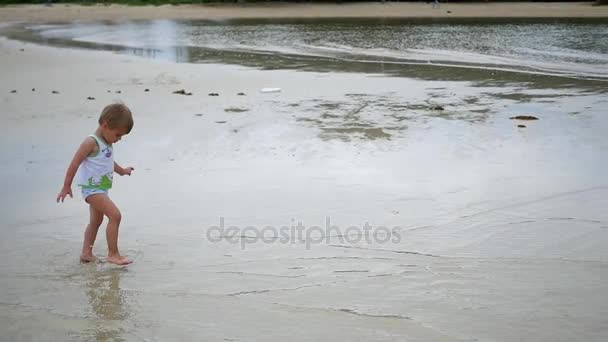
146 90
521 126
220 122
523 117
13 91
182 92
241 94
198 114
118 92
437 107
235 110
214 94
55 92
90 98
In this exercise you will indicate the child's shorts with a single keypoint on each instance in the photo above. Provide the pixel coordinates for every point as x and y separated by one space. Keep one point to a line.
86 192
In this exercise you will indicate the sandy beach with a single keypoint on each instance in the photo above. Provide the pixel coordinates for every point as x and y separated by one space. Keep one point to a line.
62 12
493 232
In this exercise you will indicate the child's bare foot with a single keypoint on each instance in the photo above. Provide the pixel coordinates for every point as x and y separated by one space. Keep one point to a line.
119 260
87 258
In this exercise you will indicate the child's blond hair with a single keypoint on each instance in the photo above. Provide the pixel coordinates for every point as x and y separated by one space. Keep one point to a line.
117 115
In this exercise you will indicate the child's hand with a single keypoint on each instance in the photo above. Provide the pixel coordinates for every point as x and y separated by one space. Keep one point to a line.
65 191
127 171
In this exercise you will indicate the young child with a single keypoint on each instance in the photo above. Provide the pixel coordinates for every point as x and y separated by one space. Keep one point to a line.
96 161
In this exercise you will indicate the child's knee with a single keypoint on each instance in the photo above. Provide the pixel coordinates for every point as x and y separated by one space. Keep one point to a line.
96 223
95 220
115 216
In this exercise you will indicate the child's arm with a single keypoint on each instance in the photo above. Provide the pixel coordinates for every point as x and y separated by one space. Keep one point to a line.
122 171
86 148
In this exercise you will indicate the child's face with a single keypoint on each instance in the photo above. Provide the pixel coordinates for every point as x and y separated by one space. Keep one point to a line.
113 135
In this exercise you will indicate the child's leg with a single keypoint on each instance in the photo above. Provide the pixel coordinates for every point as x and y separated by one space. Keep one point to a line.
96 217
104 204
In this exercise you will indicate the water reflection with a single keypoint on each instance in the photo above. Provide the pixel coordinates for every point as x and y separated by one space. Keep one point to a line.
385 116
164 34
108 302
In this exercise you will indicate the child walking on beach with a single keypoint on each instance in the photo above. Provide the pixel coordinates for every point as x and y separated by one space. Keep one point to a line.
95 158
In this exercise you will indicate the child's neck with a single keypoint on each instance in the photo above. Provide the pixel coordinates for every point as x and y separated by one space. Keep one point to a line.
98 133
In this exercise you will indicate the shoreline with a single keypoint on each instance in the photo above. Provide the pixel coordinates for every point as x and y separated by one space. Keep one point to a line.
68 12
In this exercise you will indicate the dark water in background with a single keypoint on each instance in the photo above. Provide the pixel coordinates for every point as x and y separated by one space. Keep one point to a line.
473 50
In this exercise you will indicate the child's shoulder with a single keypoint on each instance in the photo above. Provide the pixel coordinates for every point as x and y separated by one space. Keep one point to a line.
89 145
90 140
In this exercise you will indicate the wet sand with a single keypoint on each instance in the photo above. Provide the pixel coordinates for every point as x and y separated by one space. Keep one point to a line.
63 12
502 231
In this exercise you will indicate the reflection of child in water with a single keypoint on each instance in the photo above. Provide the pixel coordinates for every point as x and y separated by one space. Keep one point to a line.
95 158
107 301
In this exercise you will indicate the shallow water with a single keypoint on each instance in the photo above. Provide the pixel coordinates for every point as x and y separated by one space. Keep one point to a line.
409 47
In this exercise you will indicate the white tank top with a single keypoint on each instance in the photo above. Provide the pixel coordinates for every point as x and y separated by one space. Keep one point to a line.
96 171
